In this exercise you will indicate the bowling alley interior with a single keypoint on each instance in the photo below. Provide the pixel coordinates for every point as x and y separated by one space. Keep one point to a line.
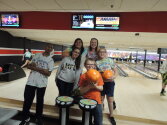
134 35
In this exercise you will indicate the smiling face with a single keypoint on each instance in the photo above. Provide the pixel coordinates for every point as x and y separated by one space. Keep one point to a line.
102 53
75 53
93 43
90 64
78 44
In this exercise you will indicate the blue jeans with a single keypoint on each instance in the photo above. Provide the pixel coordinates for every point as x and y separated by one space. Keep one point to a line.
98 115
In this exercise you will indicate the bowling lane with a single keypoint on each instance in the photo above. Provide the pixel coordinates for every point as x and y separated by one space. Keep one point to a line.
146 70
130 72
153 66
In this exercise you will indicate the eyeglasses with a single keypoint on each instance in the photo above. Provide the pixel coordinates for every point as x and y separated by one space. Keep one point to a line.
102 52
90 64
76 52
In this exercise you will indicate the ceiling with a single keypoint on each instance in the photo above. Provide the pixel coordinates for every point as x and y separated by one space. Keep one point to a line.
124 40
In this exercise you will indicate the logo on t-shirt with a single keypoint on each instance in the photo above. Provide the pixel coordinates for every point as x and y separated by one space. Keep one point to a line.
69 66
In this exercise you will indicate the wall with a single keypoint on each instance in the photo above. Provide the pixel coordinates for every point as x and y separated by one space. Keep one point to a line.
130 21
13 48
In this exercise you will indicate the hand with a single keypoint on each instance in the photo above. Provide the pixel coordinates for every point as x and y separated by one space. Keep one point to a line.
110 79
31 65
93 85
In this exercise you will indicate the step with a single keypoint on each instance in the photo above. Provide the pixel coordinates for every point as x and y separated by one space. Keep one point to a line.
76 114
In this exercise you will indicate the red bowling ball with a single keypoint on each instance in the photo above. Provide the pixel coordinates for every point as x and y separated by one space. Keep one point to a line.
1 69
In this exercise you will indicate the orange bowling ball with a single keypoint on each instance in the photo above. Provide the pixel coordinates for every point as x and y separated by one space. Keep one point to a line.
93 75
107 74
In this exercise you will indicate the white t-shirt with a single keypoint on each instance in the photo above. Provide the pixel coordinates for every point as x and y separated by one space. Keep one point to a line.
83 56
37 79
67 70
27 54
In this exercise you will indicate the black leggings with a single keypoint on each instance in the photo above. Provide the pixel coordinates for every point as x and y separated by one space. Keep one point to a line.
64 88
29 94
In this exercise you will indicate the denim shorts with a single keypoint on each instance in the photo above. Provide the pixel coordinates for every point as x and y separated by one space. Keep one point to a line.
108 89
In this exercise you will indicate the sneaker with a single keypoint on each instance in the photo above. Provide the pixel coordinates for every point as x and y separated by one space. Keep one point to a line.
25 122
162 94
114 105
112 120
39 122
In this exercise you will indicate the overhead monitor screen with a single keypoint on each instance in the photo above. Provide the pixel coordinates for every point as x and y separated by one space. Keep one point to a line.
83 21
10 20
107 22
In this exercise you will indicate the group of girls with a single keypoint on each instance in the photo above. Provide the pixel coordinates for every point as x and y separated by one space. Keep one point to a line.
70 69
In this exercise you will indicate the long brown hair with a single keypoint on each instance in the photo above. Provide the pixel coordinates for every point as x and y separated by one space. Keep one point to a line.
82 47
96 49
78 59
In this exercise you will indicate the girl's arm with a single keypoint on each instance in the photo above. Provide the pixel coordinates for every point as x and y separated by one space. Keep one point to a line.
115 73
114 69
60 67
77 77
83 86
89 87
23 57
99 88
84 89
99 85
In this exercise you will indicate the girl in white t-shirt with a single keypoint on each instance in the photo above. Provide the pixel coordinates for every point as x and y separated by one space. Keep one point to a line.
67 73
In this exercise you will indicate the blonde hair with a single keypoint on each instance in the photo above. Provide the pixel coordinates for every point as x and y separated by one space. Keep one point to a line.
89 59
101 49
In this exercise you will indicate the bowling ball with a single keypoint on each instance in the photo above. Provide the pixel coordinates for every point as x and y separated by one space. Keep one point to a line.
107 74
1 69
93 75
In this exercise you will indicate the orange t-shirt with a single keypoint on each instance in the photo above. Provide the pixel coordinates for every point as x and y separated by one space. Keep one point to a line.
92 94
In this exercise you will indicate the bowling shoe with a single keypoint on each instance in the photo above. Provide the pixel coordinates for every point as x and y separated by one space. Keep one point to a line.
25 122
